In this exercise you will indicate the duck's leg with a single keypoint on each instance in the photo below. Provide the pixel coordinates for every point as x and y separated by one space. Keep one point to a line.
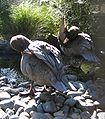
30 92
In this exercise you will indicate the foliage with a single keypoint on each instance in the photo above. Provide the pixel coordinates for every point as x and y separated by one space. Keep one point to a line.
31 20
77 12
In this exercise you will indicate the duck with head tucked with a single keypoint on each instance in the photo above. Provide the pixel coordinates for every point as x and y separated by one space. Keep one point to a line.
40 62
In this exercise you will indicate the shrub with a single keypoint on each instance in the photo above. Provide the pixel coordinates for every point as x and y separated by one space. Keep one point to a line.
31 20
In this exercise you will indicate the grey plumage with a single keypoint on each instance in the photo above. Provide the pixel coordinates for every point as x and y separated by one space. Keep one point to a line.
40 62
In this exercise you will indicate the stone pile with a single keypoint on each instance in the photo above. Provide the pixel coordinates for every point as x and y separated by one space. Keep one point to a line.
80 103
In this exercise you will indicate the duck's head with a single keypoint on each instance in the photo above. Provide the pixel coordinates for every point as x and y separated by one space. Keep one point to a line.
19 43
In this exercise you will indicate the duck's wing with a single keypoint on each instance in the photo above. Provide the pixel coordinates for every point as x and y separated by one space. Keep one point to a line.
48 53
52 57
87 48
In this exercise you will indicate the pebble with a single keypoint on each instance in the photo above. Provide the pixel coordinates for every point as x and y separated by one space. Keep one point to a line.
19 111
40 108
5 116
38 115
75 116
24 115
13 117
4 95
7 103
101 115
2 113
85 115
10 112
59 113
4 78
19 104
49 107
45 96
59 100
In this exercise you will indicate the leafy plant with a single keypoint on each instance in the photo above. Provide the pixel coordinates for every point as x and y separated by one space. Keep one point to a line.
29 19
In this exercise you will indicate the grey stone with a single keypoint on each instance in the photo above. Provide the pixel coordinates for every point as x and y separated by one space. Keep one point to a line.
5 116
28 109
49 107
2 113
101 115
38 115
19 104
4 78
32 102
4 95
13 117
45 96
59 113
59 117
19 111
24 115
40 108
59 100
75 116
70 102
15 98
4 104
85 115
16 90
75 110
9 111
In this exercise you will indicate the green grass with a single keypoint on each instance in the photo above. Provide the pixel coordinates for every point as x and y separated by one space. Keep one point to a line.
31 20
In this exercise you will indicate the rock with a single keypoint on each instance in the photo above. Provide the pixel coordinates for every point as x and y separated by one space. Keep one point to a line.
4 95
28 109
49 107
15 98
19 104
38 115
9 112
4 104
94 115
24 84
40 108
2 113
24 115
75 110
70 102
101 115
59 100
59 113
5 116
85 115
16 91
59 117
4 78
32 102
30 106
19 111
45 96
13 117
75 116
6 89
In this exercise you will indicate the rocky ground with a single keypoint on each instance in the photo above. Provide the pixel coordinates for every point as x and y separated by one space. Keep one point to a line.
86 101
